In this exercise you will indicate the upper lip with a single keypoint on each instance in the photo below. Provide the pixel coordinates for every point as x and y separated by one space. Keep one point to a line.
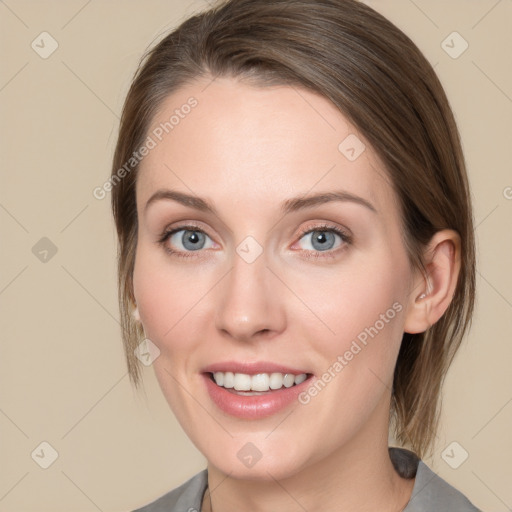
251 368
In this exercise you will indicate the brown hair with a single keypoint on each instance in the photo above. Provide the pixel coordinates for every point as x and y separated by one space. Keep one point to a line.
378 78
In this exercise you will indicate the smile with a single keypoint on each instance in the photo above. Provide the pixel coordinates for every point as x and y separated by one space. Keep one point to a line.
261 382
254 396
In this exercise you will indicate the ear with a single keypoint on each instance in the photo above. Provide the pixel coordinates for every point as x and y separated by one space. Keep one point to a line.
433 292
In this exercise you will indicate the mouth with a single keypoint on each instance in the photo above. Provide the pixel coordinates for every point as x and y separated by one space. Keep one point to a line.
245 384
254 390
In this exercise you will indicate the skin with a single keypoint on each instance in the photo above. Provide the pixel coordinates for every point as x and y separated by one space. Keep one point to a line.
246 150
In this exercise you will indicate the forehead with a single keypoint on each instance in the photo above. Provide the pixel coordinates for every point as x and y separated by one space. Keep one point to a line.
228 140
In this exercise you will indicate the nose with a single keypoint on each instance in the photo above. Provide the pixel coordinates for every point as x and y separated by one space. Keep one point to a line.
250 301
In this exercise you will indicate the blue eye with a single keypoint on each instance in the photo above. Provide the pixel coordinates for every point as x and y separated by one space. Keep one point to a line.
324 241
321 240
190 240
185 239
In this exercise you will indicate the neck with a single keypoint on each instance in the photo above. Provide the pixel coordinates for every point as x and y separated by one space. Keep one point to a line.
356 477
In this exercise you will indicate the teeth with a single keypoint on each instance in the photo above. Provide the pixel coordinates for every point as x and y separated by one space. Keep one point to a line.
258 382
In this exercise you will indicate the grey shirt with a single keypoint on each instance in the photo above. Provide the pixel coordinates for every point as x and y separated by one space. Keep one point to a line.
430 492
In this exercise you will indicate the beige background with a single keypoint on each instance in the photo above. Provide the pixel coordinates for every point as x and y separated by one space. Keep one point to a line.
63 375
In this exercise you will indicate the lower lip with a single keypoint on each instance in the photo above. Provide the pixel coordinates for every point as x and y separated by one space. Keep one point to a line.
255 406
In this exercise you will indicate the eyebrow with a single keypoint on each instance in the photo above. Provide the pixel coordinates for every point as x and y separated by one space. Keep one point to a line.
288 206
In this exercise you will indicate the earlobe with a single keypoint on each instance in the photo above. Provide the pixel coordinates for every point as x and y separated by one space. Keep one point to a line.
135 314
136 318
436 288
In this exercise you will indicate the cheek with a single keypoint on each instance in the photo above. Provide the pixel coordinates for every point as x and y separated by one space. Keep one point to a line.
361 308
342 303
170 299
364 313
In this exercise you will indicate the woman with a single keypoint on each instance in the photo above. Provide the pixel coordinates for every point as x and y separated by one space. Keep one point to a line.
296 254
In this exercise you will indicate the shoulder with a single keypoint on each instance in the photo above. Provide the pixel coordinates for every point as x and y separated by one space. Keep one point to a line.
430 491
185 498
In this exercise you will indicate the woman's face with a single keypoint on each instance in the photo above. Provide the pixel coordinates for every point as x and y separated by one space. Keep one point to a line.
296 267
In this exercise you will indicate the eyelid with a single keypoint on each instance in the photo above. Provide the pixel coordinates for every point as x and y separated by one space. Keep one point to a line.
325 226
167 233
344 234
192 226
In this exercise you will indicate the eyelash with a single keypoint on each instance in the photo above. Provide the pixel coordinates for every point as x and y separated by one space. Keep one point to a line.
168 233
345 237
